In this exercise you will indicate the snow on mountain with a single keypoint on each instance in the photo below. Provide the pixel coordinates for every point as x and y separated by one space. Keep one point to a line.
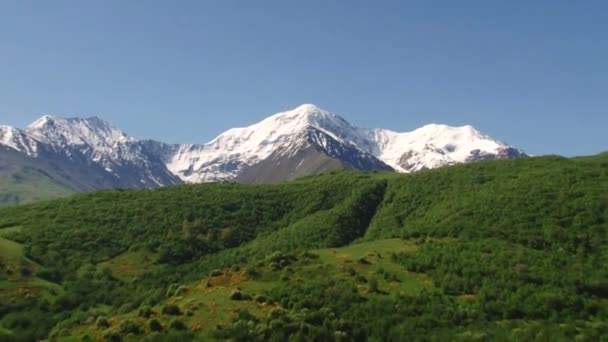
77 131
225 156
273 140
428 147
93 137
18 140
432 146
122 161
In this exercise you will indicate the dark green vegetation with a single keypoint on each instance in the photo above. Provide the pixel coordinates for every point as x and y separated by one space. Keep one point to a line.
500 250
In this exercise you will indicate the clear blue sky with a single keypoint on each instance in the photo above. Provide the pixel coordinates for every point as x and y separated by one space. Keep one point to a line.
531 73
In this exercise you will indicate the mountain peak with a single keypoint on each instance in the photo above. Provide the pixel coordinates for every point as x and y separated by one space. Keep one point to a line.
42 121
307 107
77 131
307 115
304 111
441 129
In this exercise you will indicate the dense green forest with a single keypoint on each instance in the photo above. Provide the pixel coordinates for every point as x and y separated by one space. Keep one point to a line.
495 250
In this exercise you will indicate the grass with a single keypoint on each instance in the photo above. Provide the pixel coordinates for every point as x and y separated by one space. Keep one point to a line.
372 259
130 265
208 300
13 282
28 186
10 250
208 306
6 232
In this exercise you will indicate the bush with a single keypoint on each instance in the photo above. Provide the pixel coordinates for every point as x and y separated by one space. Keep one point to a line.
351 271
309 255
51 275
252 272
361 279
102 322
112 336
373 285
261 299
178 325
144 311
129 327
171 309
363 261
155 325
238 295
25 271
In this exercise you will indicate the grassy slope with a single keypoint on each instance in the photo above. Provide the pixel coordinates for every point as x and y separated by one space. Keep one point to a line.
206 303
24 179
17 279
28 185
538 205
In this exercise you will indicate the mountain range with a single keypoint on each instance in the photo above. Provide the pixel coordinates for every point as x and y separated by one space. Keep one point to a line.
83 154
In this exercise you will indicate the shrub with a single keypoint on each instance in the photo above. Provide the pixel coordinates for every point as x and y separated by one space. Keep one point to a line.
144 311
102 322
351 271
261 299
363 261
155 325
178 325
238 295
25 271
373 285
129 327
51 275
252 272
361 279
171 309
112 336
310 255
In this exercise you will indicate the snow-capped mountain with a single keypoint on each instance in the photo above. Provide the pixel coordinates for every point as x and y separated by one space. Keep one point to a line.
433 146
283 135
18 140
301 141
280 135
111 158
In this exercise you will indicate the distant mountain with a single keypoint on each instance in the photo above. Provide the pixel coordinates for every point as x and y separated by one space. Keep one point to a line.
308 139
83 154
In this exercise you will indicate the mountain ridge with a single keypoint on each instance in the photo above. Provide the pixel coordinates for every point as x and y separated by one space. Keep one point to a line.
260 152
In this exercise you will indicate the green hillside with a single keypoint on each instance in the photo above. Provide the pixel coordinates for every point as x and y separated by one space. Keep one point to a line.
24 179
497 250
28 185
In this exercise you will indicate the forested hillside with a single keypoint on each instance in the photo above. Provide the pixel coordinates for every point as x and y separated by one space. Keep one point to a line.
507 249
